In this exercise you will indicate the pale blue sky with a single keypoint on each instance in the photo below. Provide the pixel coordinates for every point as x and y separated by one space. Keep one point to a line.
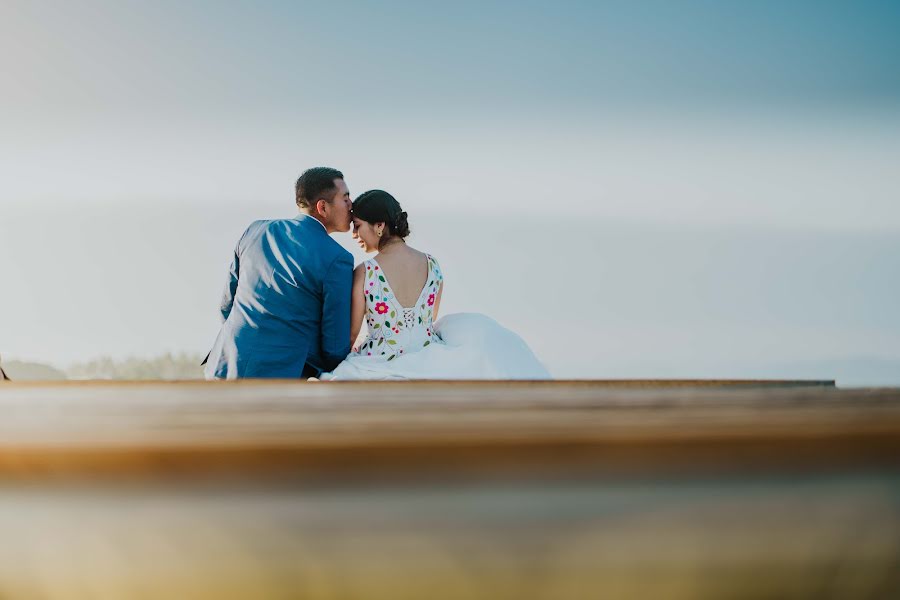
139 139
437 61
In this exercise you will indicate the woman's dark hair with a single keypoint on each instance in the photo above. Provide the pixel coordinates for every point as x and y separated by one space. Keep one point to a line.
315 184
377 206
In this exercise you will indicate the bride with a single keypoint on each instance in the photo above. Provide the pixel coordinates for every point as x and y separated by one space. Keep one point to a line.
398 295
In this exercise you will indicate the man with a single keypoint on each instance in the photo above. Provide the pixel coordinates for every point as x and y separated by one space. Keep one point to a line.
287 302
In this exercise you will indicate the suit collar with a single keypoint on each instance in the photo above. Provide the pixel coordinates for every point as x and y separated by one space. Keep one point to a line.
303 217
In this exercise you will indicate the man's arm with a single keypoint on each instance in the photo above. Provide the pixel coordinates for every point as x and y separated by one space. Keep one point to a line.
336 311
233 274
230 287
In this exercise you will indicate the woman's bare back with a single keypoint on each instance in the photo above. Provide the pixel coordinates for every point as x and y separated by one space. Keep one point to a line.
406 270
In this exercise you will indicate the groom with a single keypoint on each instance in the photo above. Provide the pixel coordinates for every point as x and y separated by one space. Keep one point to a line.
287 301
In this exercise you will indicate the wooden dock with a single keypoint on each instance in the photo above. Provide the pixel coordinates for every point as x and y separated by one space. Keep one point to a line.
621 489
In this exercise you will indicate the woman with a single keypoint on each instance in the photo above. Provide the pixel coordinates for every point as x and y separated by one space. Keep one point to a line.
398 295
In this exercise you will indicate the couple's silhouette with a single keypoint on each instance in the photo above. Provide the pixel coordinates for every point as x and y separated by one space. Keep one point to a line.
294 304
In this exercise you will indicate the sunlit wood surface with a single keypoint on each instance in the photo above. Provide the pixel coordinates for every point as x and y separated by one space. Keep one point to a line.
449 490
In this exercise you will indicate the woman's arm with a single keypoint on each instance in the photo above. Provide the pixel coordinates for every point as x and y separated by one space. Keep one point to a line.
357 302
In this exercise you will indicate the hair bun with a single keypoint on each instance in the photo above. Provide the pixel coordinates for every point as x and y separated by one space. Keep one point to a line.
401 226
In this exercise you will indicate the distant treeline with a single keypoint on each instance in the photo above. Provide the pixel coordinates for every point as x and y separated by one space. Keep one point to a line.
167 366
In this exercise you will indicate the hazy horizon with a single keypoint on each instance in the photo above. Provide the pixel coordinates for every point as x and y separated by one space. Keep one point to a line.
615 299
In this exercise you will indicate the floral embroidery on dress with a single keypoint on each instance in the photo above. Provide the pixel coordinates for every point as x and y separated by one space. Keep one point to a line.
394 329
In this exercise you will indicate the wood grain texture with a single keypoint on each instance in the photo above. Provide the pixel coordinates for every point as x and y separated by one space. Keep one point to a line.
448 490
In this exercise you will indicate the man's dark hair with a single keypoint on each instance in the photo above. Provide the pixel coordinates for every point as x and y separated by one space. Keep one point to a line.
316 184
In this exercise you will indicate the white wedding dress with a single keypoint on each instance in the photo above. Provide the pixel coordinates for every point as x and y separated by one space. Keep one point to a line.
405 343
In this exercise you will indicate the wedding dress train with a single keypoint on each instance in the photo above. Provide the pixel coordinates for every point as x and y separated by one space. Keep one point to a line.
469 346
404 343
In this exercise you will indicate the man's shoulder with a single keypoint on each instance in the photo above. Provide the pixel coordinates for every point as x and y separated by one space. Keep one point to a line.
252 230
255 226
310 231
291 228
339 254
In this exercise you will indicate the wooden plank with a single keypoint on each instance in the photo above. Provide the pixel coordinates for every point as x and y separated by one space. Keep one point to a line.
594 383
466 490
282 424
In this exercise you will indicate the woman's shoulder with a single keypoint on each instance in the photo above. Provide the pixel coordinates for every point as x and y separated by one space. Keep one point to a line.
426 255
408 256
409 260
435 266
367 265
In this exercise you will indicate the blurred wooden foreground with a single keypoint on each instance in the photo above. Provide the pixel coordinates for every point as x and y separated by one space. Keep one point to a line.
449 490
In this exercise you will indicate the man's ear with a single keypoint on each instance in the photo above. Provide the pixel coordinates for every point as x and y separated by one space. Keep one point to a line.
320 207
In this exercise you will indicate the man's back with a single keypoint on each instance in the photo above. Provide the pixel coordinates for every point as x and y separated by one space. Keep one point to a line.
287 302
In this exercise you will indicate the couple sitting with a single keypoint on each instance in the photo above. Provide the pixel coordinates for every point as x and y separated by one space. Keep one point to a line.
294 303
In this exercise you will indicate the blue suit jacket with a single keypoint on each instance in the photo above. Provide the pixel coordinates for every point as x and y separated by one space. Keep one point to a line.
286 305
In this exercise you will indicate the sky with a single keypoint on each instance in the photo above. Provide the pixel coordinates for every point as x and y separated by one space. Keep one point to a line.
654 188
